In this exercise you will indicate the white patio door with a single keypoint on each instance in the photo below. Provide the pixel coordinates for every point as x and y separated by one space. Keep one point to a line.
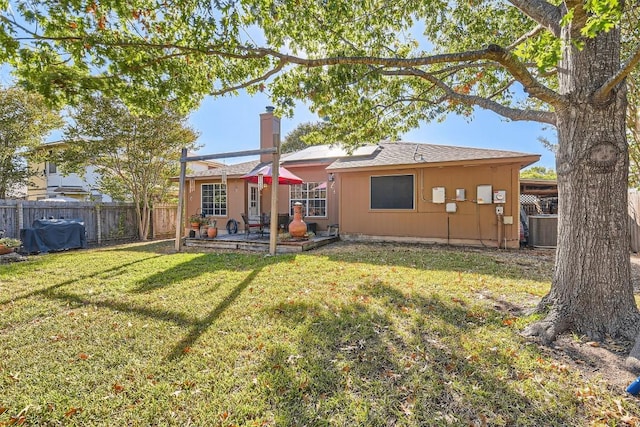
254 201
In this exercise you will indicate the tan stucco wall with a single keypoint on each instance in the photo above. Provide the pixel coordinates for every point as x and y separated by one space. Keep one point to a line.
237 198
236 201
472 223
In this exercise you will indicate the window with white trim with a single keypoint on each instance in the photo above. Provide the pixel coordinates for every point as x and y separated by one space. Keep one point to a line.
214 199
312 195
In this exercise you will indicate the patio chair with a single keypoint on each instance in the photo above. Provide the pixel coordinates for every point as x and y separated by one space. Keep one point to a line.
248 225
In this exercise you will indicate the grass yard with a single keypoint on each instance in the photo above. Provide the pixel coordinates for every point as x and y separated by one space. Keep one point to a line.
351 335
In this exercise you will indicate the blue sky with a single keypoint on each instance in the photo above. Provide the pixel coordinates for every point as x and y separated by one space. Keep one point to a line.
231 124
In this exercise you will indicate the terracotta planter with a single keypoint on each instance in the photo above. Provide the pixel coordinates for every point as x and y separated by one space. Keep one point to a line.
297 228
212 232
195 225
5 250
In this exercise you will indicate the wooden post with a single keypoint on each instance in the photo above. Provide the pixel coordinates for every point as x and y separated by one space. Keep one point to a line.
99 223
275 178
179 217
20 213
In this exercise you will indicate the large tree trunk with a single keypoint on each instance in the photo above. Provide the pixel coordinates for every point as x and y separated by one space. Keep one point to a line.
591 292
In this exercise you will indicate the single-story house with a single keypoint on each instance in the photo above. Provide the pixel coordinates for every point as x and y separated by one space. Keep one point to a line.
394 191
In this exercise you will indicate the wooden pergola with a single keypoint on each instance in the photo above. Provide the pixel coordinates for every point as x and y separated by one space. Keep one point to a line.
184 159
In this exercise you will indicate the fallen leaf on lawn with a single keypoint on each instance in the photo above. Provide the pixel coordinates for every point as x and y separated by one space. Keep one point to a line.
509 321
18 420
186 350
83 356
2 410
593 344
224 415
118 388
72 411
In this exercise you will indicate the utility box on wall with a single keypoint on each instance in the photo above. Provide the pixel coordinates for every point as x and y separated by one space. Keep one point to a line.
484 195
500 196
438 195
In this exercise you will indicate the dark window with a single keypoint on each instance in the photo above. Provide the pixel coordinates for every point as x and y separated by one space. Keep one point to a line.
392 192
53 168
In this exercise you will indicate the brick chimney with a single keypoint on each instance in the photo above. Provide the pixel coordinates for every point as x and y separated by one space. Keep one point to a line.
269 132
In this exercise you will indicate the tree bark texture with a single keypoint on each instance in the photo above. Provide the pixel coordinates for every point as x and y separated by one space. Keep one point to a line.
592 291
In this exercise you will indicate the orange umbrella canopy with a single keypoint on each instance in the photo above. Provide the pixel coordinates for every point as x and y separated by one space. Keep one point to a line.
285 177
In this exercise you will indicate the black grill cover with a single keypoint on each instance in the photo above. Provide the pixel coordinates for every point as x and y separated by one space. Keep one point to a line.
46 235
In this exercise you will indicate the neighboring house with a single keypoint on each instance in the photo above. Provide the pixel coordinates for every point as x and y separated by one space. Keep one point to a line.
51 182
391 191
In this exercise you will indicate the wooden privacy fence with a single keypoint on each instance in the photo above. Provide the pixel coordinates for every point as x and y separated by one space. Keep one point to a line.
104 222
163 221
634 220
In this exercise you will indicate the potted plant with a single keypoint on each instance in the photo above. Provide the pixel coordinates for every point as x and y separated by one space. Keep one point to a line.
195 221
8 245
212 231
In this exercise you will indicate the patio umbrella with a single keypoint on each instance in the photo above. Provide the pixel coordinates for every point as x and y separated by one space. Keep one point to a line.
322 186
285 177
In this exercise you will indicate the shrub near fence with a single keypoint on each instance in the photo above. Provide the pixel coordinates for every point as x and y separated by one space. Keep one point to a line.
104 222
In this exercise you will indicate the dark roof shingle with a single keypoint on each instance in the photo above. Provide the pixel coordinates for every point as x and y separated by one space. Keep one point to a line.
408 153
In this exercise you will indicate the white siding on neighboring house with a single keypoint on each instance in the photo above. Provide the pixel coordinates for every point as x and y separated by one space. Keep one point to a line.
73 185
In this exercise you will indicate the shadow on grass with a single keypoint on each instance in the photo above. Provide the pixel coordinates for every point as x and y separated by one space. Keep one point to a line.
201 326
359 365
47 291
203 263
193 267
151 246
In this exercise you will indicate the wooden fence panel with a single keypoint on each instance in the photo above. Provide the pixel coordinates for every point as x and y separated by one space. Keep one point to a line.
9 219
163 221
104 222
118 222
634 220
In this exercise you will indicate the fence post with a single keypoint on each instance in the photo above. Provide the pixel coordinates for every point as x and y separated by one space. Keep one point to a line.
20 214
154 218
99 223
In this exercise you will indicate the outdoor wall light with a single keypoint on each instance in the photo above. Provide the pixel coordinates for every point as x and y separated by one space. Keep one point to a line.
331 177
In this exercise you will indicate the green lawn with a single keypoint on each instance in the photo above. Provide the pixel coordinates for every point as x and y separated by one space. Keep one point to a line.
365 335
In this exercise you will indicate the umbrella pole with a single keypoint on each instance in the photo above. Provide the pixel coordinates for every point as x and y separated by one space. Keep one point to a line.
275 178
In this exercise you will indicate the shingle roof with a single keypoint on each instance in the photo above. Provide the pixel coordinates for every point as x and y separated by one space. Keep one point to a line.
236 169
386 154
408 153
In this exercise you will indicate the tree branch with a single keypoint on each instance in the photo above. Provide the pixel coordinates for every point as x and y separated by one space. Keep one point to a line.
603 91
496 53
515 114
525 37
541 11
275 70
